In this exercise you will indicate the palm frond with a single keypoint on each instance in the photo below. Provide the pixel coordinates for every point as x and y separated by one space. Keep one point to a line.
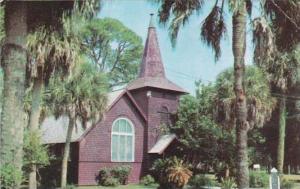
165 10
85 90
50 52
283 70
179 11
281 67
87 9
175 25
178 173
260 103
263 40
213 29
285 19
249 7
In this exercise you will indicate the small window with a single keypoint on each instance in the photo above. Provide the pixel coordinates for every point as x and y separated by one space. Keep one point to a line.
122 141
164 116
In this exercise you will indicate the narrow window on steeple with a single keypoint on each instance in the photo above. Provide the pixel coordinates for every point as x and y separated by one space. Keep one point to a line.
164 116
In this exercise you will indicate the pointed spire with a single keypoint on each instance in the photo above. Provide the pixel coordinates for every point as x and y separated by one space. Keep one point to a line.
152 65
152 72
151 23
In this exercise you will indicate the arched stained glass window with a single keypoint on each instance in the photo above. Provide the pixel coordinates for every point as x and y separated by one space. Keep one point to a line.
122 141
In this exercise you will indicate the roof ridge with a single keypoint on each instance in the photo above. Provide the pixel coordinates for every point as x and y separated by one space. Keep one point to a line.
115 90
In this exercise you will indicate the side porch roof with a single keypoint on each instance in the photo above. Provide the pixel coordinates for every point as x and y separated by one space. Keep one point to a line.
162 144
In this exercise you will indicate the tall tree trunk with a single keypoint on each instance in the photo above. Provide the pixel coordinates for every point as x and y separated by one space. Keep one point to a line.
281 137
13 63
64 169
34 122
242 126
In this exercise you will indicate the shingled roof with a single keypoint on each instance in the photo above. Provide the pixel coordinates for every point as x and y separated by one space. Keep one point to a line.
55 130
152 72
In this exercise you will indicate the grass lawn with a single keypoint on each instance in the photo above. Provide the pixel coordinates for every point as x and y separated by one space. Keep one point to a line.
297 185
130 186
292 177
295 178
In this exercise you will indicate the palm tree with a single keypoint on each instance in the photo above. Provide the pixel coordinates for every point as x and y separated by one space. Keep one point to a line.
285 19
282 71
275 52
260 103
213 29
1 87
51 52
242 125
82 96
14 58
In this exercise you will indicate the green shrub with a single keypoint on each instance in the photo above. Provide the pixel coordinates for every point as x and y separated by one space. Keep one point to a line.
111 182
258 179
121 173
200 181
10 176
179 173
158 170
34 151
104 174
228 183
170 173
223 171
147 180
287 184
109 176
70 186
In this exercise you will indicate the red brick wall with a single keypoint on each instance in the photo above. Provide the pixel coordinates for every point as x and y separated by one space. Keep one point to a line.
95 147
153 105
140 96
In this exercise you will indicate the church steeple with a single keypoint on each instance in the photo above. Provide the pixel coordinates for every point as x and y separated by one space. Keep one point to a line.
152 72
152 65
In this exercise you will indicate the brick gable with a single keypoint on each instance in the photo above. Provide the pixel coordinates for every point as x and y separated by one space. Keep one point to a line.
95 147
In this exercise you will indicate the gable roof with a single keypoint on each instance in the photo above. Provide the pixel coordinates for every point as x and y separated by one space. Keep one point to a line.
55 130
113 96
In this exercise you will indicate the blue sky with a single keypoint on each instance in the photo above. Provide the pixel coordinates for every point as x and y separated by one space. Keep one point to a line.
191 59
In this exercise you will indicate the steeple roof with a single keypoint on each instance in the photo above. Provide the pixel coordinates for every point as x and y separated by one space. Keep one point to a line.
152 72
152 65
